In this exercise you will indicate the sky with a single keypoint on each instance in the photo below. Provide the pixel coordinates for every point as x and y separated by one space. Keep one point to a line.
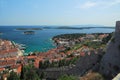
59 12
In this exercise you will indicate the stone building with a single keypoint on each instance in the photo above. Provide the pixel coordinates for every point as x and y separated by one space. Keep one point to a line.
110 63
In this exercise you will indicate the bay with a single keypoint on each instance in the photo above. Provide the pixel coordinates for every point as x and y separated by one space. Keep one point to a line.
42 39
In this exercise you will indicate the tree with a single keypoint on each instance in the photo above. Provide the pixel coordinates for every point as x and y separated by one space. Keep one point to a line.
29 73
42 75
13 76
106 39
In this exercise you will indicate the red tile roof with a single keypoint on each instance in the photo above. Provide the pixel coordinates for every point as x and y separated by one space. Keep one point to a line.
7 62
2 69
8 51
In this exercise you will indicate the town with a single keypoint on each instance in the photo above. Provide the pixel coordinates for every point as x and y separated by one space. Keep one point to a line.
66 53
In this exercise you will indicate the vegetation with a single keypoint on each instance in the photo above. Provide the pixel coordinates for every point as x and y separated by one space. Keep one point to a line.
76 46
92 76
106 39
87 42
29 73
69 36
42 75
13 76
77 35
94 45
66 77
64 62
113 39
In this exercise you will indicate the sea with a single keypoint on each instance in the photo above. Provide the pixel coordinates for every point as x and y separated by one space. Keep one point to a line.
42 39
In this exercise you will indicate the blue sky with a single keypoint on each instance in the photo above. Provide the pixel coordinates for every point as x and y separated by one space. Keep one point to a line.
59 12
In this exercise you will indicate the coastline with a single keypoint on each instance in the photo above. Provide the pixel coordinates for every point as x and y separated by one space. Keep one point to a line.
39 42
72 51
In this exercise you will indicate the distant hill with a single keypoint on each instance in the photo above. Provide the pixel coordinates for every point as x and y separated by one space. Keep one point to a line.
67 27
78 27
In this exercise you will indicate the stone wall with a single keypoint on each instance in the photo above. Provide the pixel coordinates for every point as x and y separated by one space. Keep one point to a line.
83 65
110 63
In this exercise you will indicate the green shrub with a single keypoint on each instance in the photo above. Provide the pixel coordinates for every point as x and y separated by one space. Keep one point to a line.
66 77
113 39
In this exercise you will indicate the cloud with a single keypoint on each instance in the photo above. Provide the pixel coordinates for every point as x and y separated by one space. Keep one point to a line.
101 4
111 3
88 5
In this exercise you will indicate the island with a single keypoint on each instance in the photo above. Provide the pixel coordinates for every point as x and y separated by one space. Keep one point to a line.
29 32
81 28
47 27
24 29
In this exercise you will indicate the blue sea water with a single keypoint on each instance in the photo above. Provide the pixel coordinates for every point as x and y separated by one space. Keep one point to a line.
41 40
